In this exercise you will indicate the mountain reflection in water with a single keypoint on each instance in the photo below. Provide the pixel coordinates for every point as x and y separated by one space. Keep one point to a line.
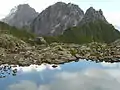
83 75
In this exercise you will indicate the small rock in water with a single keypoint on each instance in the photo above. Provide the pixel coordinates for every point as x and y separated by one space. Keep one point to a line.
54 66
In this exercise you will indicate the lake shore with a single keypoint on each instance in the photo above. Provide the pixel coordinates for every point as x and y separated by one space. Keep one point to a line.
59 53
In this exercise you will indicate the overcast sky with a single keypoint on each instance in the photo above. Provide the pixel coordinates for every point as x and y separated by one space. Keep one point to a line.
111 8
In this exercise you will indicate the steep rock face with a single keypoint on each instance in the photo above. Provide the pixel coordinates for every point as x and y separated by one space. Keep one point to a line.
92 27
21 16
56 18
92 15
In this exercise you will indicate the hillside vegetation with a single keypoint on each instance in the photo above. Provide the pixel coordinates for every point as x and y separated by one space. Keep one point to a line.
19 33
97 31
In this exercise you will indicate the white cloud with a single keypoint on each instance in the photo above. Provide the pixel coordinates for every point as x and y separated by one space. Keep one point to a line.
90 79
113 17
97 79
23 85
38 68
117 27
110 65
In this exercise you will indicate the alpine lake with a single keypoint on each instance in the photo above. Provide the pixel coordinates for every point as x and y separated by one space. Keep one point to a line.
81 75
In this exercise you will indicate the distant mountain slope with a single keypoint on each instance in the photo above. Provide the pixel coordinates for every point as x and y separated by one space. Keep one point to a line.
56 18
63 22
19 33
92 27
21 16
98 31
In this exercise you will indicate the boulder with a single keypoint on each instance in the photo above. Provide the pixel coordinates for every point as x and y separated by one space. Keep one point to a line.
40 40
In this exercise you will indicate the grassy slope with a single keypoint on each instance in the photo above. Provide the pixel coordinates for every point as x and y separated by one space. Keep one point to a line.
21 34
94 31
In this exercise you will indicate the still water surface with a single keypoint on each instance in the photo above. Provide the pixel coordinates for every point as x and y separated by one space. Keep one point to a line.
82 75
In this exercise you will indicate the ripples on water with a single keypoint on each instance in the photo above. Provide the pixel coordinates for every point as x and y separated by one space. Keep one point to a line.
83 75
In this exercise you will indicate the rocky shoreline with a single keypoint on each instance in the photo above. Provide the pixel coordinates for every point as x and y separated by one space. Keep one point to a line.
23 54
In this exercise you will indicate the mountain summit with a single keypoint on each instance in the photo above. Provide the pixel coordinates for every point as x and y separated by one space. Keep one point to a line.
20 16
56 18
92 15
61 16
92 27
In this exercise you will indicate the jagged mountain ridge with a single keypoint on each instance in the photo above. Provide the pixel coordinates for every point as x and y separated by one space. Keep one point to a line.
92 15
20 16
56 18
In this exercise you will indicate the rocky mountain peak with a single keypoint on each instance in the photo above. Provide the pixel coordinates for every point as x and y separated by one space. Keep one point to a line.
22 6
60 3
20 16
93 15
91 9
101 12
56 18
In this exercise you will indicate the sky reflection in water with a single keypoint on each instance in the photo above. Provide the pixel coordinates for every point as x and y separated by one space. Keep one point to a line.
83 75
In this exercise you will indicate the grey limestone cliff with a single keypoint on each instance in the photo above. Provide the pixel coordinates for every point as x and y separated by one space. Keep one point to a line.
92 15
20 16
56 18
